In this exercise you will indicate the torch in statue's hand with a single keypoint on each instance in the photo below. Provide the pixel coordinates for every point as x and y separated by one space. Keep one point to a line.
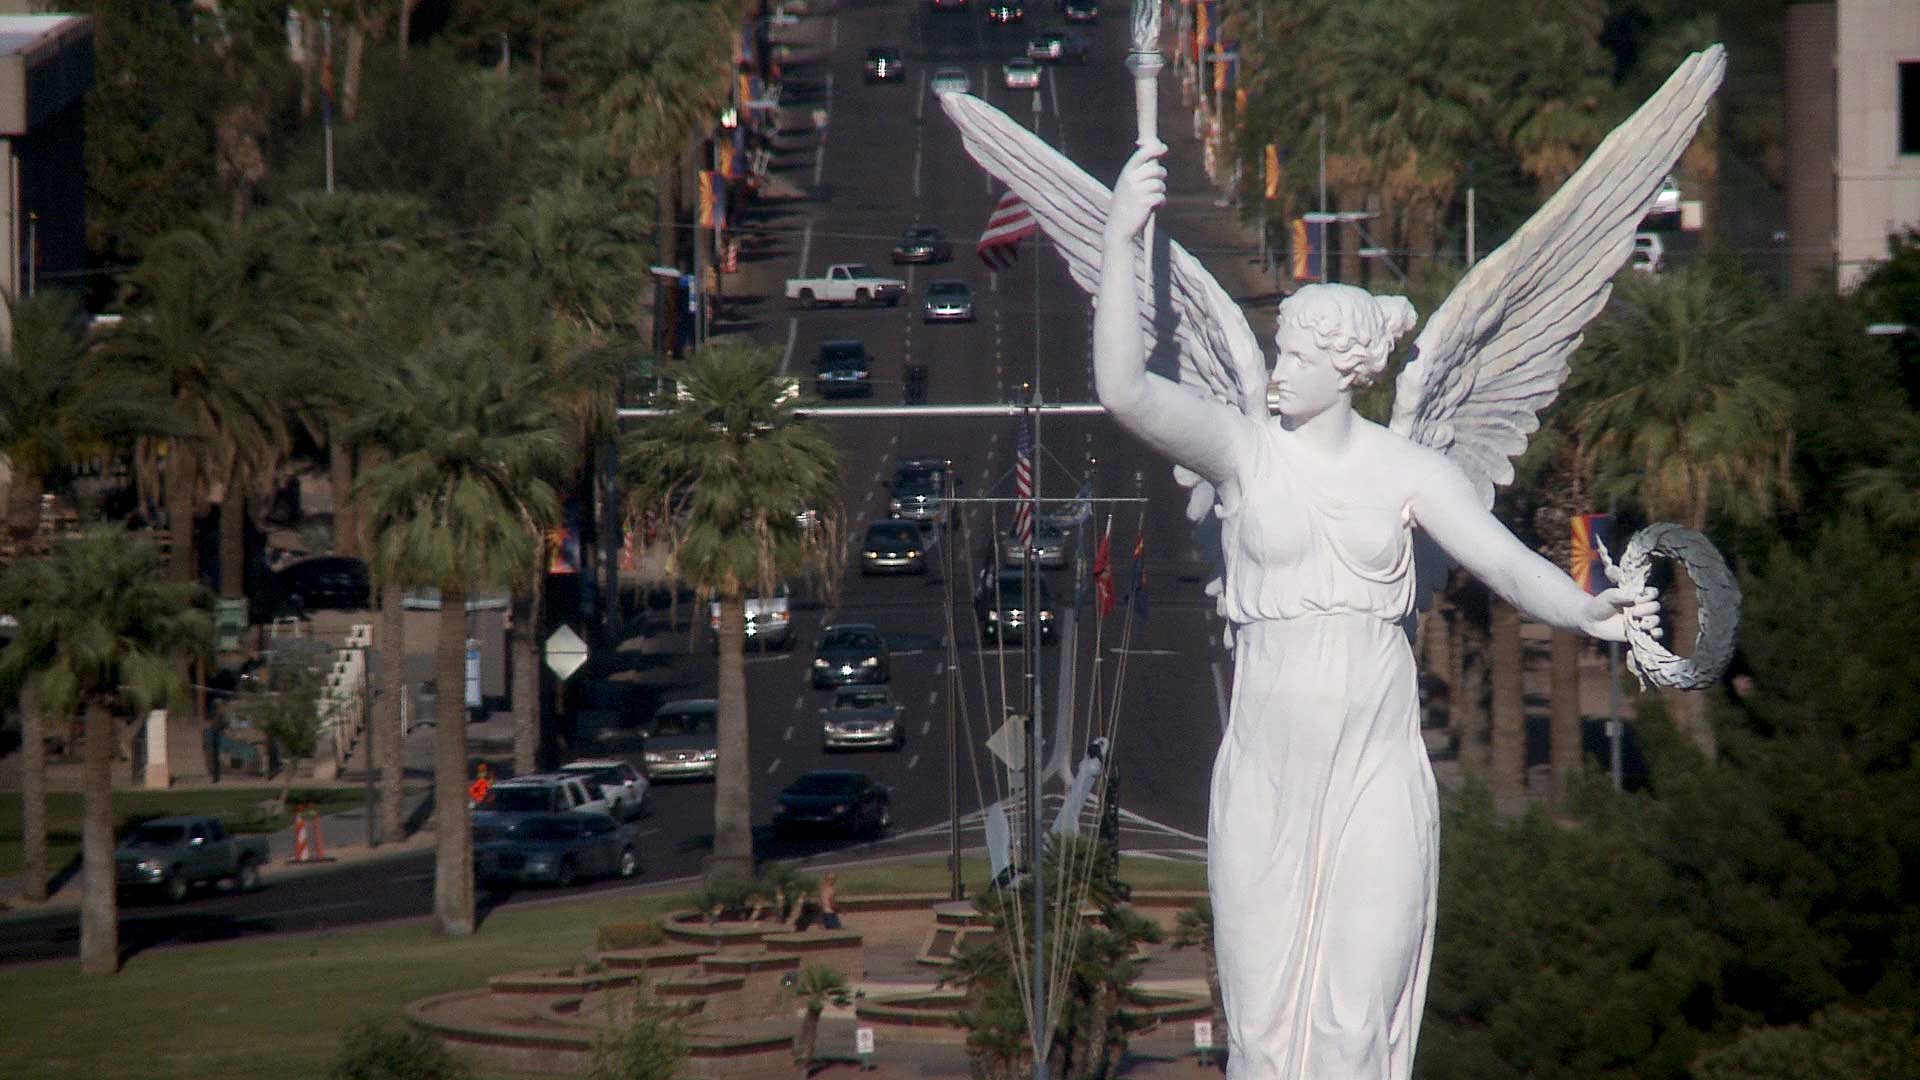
1143 59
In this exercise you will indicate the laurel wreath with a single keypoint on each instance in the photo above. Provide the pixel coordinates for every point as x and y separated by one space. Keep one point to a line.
1649 660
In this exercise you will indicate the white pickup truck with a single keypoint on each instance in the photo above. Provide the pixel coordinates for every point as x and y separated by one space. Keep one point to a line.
846 283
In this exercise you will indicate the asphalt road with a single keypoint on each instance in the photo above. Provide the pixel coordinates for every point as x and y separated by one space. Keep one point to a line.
890 158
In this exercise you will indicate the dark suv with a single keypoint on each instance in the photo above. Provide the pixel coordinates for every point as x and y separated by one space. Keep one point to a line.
1001 604
844 370
884 64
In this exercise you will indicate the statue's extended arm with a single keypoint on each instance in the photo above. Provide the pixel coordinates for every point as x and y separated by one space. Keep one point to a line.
1449 509
1201 434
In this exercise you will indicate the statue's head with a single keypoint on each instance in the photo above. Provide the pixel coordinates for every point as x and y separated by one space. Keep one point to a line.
1354 327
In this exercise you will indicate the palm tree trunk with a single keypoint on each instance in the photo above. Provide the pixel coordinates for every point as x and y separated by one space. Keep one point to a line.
1689 710
180 512
406 23
1564 725
33 795
390 650
526 678
1508 765
350 81
99 915
23 503
452 825
732 798
346 519
233 542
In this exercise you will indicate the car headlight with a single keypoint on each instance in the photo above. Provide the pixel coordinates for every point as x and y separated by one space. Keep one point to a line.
540 862
993 616
707 755
150 866
820 661
839 808
654 757
912 554
894 505
779 618
1046 616
870 661
861 374
873 554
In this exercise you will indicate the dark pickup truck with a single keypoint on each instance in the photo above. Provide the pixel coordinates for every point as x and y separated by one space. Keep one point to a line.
171 855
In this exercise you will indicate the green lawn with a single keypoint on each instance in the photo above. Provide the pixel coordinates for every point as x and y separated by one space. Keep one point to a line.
277 1008
237 807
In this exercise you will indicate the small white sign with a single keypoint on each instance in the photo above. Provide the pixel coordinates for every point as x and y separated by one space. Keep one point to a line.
473 674
565 652
863 1040
1203 1034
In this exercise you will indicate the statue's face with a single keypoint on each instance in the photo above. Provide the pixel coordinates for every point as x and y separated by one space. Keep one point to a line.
1304 382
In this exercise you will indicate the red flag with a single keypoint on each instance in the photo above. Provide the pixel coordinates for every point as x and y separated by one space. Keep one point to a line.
1010 223
1103 573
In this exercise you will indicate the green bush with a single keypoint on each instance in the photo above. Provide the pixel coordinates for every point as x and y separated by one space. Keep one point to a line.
630 935
388 1050
650 1046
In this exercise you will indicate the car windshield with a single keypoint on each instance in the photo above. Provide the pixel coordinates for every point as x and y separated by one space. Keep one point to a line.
157 835
825 784
600 774
947 288
518 800
841 355
861 698
859 270
888 533
683 723
1013 591
849 639
922 232
547 829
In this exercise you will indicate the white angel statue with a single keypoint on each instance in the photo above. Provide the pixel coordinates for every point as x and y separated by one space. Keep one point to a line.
1323 821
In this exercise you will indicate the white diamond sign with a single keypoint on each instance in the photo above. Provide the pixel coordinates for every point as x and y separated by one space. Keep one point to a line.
1009 744
565 652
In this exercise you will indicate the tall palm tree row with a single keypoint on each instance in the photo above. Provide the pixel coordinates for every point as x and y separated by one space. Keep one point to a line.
473 452
726 472
100 634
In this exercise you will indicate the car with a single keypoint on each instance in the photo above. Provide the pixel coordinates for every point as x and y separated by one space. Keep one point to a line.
850 653
885 64
922 244
893 547
559 849
171 855
1049 547
1006 12
1081 11
1666 201
846 284
682 742
1058 46
832 801
1649 254
843 369
325 582
769 618
861 718
511 801
621 785
951 80
920 491
1000 604
1021 73
949 300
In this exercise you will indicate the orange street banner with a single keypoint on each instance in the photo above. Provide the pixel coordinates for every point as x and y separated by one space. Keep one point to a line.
1272 163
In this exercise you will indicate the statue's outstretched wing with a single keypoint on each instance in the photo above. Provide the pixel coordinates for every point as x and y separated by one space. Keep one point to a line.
1495 353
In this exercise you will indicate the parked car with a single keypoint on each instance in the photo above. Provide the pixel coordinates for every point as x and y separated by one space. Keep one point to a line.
171 855
683 740
1049 547
1006 12
843 369
1000 603
1666 201
622 786
325 583
559 849
832 801
1649 254
511 801
949 300
1059 46
1020 73
884 64
769 618
862 717
920 491
922 244
893 547
1081 11
850 653
952 80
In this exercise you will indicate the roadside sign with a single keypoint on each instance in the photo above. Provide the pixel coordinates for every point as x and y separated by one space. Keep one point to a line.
863 1045
1009 744
473 673
566 653
229 623
1203 1034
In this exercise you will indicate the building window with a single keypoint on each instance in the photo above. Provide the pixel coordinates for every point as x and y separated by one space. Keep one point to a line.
1910 107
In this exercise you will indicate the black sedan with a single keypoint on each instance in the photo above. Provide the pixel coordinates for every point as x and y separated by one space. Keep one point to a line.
850 653
1081 11
922 244
893 547
833 801
559 849
1006 12
325 582
884 64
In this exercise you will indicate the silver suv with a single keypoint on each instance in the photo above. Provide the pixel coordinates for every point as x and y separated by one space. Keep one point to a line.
683 742
920 491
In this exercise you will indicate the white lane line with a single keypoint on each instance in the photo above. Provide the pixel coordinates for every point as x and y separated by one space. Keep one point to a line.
799 700
793 331
916 172
833 41
806 248
773 768
820 149
926 726
912 761
920 111
940 668
789 735
933 696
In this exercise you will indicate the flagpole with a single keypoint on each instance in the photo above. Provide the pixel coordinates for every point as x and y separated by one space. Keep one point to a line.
1036 876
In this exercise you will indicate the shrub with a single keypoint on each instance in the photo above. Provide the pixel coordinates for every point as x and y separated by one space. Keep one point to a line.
650 1046
388 1050
630 935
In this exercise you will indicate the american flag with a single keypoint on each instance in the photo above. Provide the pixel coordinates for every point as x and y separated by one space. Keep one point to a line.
1023 484
1010 223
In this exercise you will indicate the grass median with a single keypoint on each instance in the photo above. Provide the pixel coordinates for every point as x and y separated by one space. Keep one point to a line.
278 1007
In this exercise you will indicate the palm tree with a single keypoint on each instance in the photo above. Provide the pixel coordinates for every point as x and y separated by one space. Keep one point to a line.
1193 929
817 986
100 633
726 472
459 505
1680 420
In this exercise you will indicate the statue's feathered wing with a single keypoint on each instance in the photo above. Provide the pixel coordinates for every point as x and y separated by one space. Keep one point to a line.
1496 352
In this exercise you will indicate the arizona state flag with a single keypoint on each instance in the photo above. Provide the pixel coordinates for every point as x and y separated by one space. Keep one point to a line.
1589 532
